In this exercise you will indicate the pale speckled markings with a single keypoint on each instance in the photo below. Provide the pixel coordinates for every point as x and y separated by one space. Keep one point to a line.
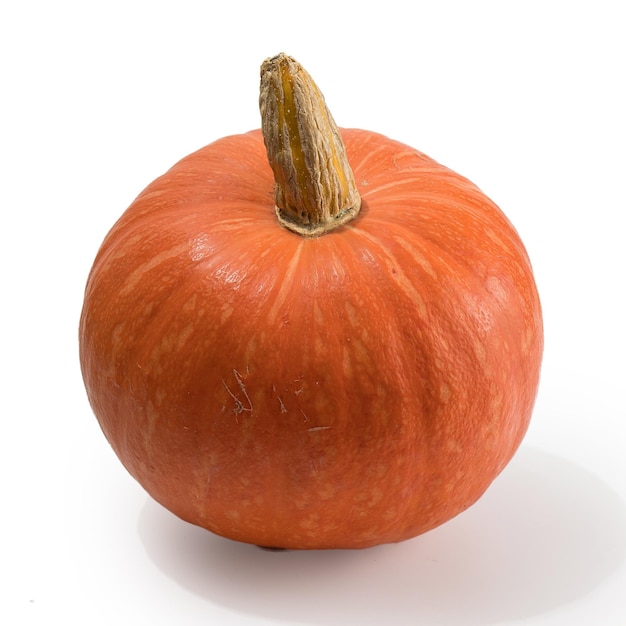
445 393
200 247
285 286
479 311
418 257
400 182
495 288
372 155
138 274
227 311
397 274
408 153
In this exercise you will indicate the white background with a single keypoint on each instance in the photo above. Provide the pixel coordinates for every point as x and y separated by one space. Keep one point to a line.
527 99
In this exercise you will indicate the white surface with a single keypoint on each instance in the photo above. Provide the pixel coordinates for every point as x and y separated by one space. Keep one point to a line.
525 98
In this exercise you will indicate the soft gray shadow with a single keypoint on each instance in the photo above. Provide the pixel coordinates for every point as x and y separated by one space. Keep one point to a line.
546 533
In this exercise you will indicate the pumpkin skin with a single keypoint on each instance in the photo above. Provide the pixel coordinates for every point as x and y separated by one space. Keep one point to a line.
340 391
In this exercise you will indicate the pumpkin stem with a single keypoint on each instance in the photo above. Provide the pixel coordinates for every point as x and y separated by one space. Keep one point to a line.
315 187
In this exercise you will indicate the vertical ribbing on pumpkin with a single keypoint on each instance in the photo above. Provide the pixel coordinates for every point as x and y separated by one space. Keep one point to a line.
315 187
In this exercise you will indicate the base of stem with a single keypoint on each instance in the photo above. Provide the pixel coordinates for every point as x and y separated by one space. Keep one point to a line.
315 230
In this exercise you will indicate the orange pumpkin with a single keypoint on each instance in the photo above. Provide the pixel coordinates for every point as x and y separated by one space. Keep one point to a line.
357 371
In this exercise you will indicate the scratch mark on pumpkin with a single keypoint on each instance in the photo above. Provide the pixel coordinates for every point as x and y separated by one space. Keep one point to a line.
239 405
283 408
316 428
240 382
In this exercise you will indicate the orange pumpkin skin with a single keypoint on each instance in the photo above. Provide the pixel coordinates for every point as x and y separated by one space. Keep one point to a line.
343 391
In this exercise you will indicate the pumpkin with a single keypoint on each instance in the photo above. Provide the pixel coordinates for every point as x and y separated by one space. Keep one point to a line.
311 337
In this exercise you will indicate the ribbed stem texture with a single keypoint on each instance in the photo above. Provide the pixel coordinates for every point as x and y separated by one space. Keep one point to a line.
315 187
